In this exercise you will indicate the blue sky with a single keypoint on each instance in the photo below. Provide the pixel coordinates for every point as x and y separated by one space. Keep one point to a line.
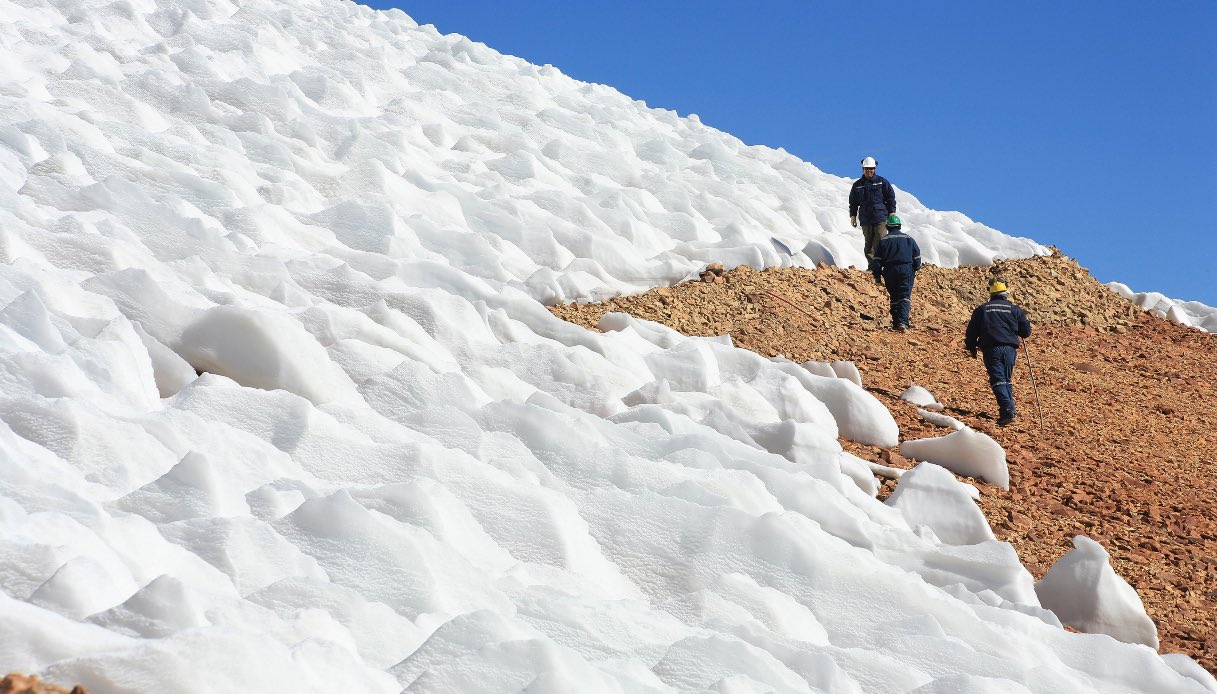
1086 125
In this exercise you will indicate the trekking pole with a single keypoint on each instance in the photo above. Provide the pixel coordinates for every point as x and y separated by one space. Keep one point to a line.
1038 410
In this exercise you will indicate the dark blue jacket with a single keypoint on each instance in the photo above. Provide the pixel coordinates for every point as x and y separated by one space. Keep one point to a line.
997 322
871 200
897 248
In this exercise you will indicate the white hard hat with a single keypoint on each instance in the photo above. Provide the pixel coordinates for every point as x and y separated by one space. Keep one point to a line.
869 163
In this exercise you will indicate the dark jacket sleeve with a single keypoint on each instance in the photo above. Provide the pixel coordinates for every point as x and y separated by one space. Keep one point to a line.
1024 325
855 199
889 196
972 336
916 256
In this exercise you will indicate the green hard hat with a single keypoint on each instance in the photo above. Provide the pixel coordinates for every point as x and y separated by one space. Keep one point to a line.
893 220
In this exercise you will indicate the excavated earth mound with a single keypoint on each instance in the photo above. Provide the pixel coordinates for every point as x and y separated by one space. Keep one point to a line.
1125 454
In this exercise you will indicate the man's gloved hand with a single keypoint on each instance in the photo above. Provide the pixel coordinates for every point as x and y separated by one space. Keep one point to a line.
879 279
853 221
972 352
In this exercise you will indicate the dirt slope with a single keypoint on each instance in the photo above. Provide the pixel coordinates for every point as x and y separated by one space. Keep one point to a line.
1125 454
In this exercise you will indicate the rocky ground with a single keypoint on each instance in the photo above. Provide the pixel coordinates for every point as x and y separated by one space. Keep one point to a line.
22 684
1125 451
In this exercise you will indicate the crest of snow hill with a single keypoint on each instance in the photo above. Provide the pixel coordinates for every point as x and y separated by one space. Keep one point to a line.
282 408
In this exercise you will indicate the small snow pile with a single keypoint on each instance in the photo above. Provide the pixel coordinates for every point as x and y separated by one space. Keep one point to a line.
1190 313
941 420
1087 594
860 416
922 398
1191 669
836 369
847 370
930 496
263 349
965 452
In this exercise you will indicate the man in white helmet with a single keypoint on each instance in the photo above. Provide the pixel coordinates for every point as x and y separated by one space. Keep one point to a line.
871 200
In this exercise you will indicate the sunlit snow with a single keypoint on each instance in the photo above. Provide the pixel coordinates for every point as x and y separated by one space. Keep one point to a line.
282 408
964 451
1192 313
922 398
1085 592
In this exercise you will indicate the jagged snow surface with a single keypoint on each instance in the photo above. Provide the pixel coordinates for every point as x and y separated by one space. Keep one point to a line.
1191 313
398 469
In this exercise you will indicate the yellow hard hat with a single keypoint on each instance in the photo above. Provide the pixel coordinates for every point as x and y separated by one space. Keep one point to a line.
997 284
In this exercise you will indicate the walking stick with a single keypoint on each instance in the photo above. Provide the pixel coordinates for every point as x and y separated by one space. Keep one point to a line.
1034 389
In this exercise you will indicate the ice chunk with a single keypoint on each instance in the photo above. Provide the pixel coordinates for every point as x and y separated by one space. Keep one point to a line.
170 371
939 419
965 452
191 489
1086 593
930 496
860 472
260 349
860 416
820 368
82 587
847 370
1191 669
922 398
162 607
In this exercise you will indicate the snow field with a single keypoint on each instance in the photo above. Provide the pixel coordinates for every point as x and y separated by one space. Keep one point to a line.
281 408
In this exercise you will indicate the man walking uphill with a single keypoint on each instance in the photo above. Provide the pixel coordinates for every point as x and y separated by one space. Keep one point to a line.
995 328
871 200
897 259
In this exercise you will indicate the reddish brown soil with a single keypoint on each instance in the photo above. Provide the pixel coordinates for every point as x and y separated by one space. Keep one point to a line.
1126 451
14 683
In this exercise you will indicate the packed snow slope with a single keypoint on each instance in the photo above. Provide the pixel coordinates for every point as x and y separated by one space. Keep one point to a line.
283 409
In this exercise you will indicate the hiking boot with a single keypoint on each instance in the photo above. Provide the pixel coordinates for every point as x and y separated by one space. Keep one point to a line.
1005 419
899 327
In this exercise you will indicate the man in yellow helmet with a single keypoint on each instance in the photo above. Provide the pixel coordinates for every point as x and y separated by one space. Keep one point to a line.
996 328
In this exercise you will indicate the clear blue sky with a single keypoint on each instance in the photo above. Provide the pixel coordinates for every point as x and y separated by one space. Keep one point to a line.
1082 124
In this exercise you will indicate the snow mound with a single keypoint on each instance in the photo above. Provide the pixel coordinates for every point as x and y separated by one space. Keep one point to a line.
930 496
941 420
1190 313
1085 592
922 398
847 370
965 452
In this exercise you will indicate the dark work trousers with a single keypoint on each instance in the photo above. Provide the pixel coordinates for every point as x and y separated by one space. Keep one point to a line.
999 362
872 234
899 282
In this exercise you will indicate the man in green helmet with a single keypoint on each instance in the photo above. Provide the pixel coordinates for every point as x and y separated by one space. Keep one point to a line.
896 260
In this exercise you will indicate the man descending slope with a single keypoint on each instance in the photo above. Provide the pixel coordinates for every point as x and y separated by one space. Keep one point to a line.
871 200
897 259
995 328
